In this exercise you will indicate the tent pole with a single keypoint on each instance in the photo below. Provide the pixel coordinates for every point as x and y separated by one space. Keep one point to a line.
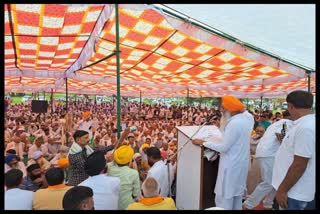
66 95
51 104
140 101
309 81
118 73
188 96
140 106
247 103
260 104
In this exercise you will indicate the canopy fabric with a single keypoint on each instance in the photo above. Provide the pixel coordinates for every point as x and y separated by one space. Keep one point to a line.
161 55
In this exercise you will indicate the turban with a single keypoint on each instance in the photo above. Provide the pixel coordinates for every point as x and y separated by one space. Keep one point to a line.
145 145
9 158
63 162
232 104
123 154
86 114
136 155
36 155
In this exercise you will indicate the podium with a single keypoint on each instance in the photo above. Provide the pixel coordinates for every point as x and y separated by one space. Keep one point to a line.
196 176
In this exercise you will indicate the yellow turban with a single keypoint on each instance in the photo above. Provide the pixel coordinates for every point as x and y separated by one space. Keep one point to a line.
232 104
63 162
145 145
123 154
86 114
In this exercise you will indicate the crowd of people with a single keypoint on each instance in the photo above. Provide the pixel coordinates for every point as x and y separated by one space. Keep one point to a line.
73 159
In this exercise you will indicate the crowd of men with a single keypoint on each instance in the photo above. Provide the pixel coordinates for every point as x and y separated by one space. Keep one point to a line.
73 160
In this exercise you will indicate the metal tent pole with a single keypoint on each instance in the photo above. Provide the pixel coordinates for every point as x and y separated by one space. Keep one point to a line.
188 96
51 104
309 81
118 72
66 95
260 104
247 103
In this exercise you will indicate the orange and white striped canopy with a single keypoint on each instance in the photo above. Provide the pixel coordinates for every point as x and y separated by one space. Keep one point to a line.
160 55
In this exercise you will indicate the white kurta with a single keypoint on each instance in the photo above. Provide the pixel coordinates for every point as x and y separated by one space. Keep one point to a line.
159 171
234 156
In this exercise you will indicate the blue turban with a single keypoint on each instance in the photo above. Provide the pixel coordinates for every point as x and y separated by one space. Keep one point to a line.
10 157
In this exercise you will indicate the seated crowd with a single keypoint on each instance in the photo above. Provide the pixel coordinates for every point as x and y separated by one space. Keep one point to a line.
73 160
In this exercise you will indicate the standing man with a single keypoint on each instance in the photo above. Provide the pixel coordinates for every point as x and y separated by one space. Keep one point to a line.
294 166
129 178
158 170
265 153
236 125
106 189
78 154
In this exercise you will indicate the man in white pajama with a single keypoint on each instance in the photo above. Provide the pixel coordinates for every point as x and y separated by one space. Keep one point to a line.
265 154
236 124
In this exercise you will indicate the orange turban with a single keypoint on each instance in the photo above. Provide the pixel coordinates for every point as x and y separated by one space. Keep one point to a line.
63 162
86 114
232 104
123 154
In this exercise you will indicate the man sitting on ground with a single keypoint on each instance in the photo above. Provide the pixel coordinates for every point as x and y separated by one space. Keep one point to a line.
34 180
78 198
152 200
15 198
51 197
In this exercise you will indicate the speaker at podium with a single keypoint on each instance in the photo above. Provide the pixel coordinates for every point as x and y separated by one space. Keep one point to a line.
196 176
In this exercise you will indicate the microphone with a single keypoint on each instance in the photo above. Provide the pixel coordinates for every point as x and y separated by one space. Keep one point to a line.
210 117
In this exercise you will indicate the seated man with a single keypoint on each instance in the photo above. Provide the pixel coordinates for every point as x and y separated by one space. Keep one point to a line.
15 198
51 197
34 180
152 200
78 198
37 157
11 162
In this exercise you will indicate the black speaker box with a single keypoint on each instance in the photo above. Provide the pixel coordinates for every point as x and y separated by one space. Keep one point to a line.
39 106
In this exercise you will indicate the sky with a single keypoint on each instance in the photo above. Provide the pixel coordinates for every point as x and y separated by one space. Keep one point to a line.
286 30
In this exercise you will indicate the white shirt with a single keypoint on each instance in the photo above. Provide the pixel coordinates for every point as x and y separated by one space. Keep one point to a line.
159 171
234 155
300 141
20 165
269 144
106 190
18 199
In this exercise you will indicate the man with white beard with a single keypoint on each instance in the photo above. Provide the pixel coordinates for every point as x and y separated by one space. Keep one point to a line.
236 126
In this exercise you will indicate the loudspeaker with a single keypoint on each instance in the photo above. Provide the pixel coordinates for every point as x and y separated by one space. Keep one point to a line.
39 106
